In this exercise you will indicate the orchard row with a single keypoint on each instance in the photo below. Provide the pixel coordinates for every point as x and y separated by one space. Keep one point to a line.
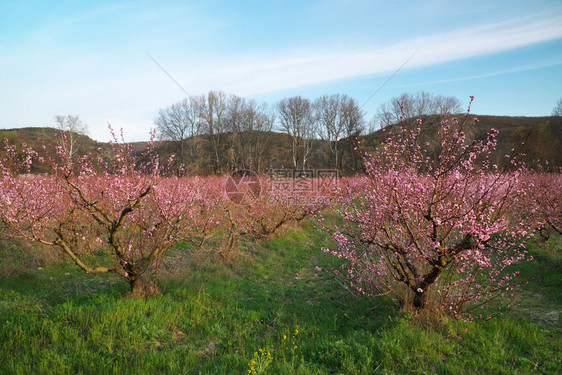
430 227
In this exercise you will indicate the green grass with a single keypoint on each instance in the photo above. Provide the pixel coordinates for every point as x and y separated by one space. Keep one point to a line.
214 318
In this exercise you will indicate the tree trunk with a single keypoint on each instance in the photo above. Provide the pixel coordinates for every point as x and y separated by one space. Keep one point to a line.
142 287
419 300
421 290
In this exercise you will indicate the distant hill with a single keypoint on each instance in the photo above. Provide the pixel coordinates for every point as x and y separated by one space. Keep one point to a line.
33 136
539 138
37 137
542 137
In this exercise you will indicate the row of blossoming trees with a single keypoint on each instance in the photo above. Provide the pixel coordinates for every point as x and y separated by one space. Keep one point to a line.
433 224
128 209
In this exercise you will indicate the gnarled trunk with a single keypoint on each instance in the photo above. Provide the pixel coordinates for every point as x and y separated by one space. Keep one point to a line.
419 300
142 287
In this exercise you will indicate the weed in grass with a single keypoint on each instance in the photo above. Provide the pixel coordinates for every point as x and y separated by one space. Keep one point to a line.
260 362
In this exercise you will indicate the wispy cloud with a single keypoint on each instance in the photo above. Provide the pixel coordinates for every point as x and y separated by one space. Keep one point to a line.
522 68
257 73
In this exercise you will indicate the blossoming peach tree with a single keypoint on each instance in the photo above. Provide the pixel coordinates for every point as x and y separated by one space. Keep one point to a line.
122 208
545 203
433 224
265 210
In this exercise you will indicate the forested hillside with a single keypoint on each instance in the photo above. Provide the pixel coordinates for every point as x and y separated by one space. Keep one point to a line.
539 138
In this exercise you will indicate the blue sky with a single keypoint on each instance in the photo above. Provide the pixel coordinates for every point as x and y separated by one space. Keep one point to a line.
91 58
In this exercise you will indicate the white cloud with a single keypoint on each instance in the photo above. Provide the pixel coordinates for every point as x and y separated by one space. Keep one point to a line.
257 74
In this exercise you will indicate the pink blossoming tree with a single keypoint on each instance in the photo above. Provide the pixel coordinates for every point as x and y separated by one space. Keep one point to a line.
545 200
433 224
121 207
268 210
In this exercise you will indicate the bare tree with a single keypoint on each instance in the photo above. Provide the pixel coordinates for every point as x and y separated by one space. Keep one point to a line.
212 109
72 128
422 104
180 123
297 121
259 123
248 125
332 122
557 110
235 120
556 124
354 124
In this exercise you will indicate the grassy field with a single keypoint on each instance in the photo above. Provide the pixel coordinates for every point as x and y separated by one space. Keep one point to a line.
269 312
